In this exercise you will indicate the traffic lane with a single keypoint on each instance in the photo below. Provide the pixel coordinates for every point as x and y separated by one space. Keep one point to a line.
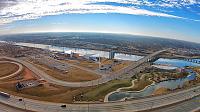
7 108
186 106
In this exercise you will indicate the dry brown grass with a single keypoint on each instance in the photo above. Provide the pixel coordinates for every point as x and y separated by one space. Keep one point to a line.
93 66
47 92
74 74
160 91
84 63
197 69
26 74
121 65
7 69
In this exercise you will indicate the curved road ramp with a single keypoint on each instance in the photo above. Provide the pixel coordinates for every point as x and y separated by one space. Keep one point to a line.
20 68
126 106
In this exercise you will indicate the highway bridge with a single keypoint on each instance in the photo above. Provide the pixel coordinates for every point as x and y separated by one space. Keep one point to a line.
133 68
103 79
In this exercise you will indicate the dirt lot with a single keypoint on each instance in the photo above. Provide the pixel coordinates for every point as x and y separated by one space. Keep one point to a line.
7 69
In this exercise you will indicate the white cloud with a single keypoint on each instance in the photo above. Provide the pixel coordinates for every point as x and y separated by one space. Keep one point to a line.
33 9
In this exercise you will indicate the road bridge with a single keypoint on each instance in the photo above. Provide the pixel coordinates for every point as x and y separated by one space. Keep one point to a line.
132 67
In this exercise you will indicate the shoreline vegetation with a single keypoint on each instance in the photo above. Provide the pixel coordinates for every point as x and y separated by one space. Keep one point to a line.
148 79
138 85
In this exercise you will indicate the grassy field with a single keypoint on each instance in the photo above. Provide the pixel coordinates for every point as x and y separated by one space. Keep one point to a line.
74 74
116 66
98 93
47 92
7 69
93 66
120 66
84 63
55 93
140 84
160 91
197 69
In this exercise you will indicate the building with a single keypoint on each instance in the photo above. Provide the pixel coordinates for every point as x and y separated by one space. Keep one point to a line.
111 54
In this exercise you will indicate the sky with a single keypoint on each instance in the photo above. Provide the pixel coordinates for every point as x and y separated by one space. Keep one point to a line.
176 19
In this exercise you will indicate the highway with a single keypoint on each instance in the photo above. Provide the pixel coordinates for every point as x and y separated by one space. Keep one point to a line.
131 68
101 80
191 105
6 108
126 106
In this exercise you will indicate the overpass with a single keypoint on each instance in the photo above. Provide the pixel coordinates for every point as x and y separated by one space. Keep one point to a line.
133 67
105 78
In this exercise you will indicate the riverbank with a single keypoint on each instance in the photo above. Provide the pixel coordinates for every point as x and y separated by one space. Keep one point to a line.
141 88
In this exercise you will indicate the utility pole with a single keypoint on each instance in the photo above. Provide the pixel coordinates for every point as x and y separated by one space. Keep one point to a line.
99 62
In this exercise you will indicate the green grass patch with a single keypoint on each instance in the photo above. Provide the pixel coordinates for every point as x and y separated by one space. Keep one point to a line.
101 91
139 85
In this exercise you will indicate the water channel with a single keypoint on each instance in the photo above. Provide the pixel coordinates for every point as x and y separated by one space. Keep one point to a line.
170 84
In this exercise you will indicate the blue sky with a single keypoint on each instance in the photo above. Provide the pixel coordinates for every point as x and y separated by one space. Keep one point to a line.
177 19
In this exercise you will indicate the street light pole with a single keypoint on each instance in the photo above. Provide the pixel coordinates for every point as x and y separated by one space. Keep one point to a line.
99 62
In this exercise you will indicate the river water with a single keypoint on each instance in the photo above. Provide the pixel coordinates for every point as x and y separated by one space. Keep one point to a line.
176 62
104 54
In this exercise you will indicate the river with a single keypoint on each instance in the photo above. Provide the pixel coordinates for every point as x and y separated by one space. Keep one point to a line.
104 54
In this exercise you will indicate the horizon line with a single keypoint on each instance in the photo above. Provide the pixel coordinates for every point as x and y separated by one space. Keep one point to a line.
116 33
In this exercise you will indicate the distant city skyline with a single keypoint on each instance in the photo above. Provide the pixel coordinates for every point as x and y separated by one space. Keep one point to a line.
174 19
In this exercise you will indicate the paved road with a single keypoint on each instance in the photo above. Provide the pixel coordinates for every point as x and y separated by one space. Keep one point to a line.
6 108
13 74
131 68
101 80
187 106
127 106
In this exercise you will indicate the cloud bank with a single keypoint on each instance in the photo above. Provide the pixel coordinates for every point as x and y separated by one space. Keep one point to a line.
14 10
